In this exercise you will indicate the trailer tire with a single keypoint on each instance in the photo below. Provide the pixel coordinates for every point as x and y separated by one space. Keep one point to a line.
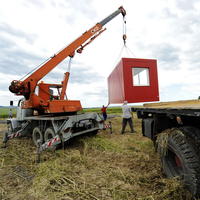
193 136
181 160
49 134
37 135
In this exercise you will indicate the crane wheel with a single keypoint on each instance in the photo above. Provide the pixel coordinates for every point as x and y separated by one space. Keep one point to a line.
37 136
49 134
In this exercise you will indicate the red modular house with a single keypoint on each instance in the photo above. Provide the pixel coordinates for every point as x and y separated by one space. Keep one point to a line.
134 80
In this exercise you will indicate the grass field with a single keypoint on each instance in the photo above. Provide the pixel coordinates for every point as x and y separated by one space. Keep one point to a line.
103 167
4 112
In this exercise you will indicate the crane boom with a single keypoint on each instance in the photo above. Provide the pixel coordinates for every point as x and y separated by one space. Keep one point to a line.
44 99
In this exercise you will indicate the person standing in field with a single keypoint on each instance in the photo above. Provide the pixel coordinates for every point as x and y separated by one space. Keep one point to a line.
127 117
10 113
104 113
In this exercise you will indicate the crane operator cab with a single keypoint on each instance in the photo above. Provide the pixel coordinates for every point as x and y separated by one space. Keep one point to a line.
49 92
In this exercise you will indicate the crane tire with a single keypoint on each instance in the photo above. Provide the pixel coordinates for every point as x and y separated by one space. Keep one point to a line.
49 134
37 135
181 160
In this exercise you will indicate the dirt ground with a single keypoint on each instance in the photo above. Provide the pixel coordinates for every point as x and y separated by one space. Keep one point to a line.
104 167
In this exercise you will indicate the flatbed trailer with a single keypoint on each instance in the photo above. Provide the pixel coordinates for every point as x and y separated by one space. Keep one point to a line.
174 128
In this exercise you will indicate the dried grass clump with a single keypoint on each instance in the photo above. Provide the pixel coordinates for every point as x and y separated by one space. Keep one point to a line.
103 167
162 141
102 144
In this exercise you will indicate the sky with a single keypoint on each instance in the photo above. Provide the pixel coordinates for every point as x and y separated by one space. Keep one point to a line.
31 31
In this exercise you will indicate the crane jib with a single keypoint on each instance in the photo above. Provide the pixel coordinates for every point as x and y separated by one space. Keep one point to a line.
114 14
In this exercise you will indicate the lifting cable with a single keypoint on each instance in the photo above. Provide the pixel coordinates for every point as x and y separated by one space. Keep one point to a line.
124 47
124 30
68 70
127 50
35 68
124 37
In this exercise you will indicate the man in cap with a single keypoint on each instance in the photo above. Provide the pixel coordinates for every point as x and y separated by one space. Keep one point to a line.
127 117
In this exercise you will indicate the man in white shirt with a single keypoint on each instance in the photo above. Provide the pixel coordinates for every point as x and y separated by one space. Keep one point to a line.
127 117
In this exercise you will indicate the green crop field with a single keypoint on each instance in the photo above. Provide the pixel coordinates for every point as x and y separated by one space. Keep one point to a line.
4 112
110 110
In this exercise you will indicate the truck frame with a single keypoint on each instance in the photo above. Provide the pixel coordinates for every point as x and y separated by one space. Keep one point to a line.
174 129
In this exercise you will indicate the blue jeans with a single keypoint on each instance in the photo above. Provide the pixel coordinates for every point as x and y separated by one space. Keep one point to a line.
104 116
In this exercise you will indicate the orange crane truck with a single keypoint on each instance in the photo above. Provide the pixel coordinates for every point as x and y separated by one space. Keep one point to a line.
50 118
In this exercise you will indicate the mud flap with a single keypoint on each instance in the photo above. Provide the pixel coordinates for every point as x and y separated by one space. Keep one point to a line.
10 136
47 145
108 126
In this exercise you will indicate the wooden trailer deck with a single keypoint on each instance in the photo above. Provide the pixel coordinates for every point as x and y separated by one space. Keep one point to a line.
186 107
186 104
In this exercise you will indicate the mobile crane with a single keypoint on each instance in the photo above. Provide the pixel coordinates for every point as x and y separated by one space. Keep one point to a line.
53 119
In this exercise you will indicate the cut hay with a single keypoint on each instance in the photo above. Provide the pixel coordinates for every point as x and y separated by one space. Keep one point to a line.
103 167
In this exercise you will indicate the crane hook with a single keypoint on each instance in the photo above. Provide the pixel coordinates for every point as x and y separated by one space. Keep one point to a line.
124 38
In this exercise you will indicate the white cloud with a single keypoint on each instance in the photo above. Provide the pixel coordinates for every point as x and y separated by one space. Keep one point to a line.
32 31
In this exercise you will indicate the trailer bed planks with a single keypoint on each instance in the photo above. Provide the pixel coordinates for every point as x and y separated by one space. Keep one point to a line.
189 104
186 107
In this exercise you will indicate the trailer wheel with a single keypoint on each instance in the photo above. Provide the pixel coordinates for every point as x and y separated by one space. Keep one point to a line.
49 134
37 135
181 160
193 135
